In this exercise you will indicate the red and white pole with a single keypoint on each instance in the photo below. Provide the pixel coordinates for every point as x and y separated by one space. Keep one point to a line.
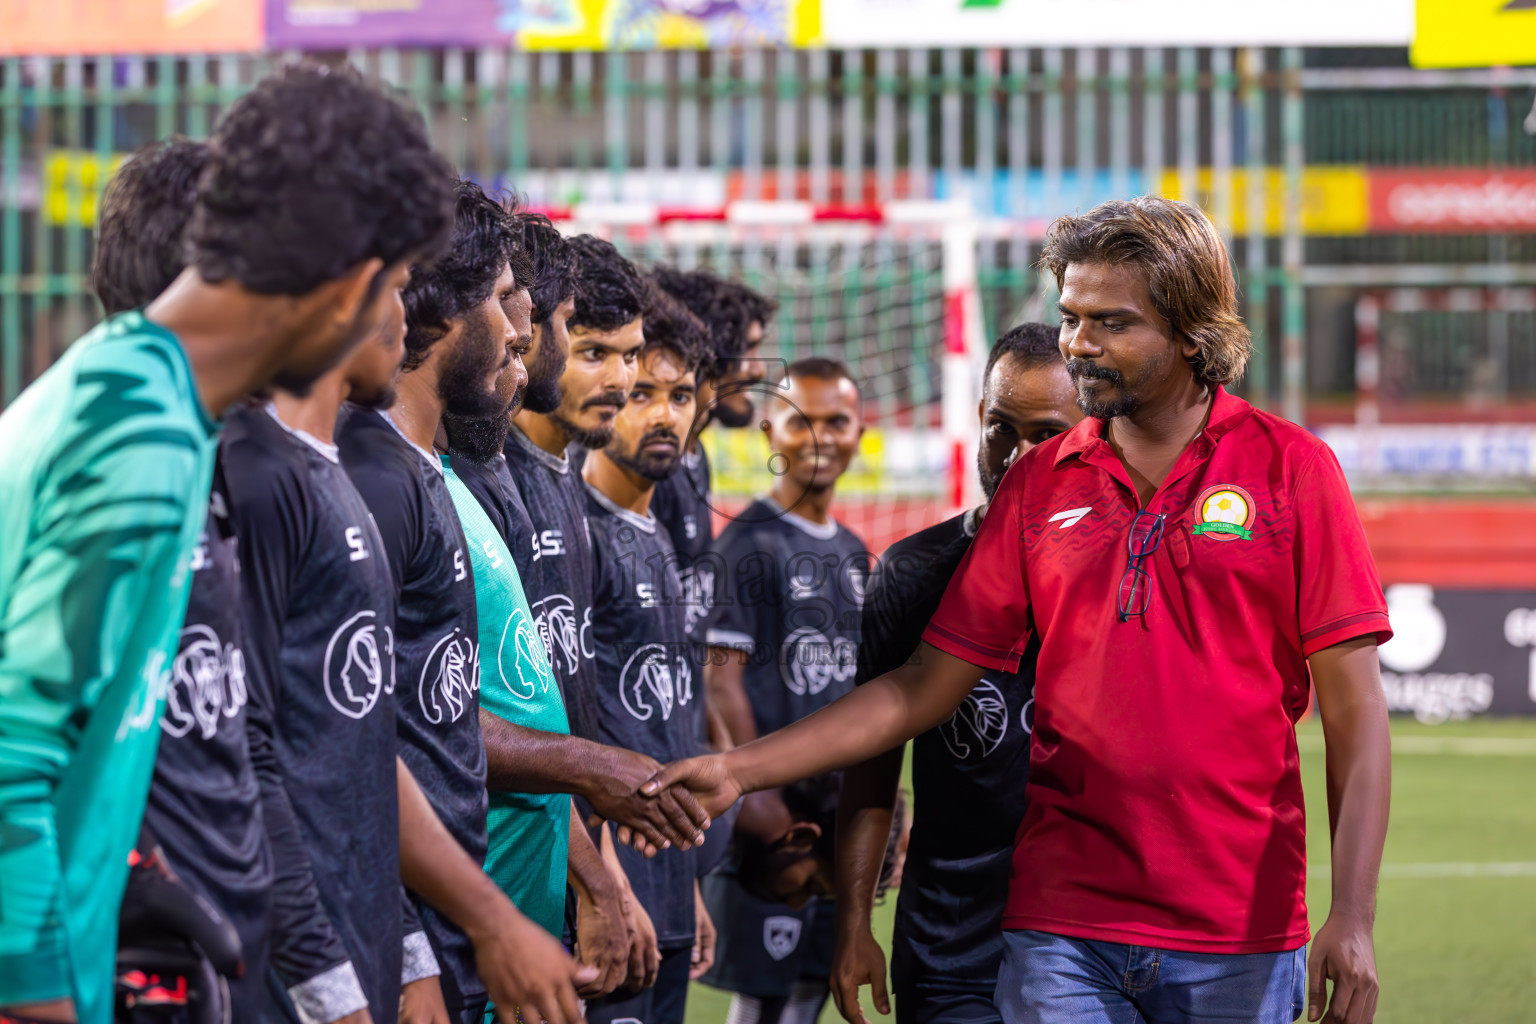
965 346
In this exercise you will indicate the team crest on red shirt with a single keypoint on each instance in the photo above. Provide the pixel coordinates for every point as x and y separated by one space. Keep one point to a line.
1225 512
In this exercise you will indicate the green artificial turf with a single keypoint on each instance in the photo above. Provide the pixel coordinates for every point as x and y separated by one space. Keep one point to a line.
1456 925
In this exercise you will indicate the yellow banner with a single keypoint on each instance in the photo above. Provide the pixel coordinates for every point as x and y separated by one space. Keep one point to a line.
1474 33
738 463
1333 199
72 184
671 24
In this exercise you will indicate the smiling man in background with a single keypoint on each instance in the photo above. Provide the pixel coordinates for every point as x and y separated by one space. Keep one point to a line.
783 639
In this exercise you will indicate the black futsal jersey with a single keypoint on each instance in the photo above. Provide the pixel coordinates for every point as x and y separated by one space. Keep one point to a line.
968 777
491 484
790 594
320 616
681 503
437 653
554 557
650 693
204 806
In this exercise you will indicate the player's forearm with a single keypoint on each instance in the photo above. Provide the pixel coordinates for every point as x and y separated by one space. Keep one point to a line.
727 696
584 867
436 868
875 717
609 851
1359 769
865 812
523 760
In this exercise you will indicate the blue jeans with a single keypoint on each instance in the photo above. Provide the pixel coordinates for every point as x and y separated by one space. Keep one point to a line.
1053 979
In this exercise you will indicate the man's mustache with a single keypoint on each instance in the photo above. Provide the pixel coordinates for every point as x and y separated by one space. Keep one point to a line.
617 399
659 435
1083 368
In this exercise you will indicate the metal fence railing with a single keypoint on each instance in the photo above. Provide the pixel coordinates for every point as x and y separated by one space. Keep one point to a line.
1276 143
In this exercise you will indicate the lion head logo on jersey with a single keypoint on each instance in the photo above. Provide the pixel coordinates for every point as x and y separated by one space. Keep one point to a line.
978 725
652 682
450 678
207 684
529 658
809 662
358 668
554 618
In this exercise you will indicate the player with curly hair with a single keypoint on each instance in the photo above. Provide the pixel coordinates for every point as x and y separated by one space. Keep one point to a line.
460 340
537 838
554 300
300 239
595 342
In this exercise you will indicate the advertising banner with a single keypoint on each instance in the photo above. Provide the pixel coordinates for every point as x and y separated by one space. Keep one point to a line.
129 26
341 24
1460 653
542 24
1474 33
1435 454
1428 200
1117 22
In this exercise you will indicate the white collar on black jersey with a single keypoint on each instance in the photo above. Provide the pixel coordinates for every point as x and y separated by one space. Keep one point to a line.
559 463
330 451
821 531
970 521
692 458
431 457
635 519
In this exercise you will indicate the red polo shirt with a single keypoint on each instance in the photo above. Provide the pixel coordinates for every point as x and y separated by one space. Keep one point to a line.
1165 803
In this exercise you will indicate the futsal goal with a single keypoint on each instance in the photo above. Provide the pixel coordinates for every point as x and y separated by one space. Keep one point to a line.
890 290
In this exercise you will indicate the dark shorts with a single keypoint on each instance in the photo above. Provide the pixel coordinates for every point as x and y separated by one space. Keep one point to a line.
942 983
926 1007
663 1003
763 948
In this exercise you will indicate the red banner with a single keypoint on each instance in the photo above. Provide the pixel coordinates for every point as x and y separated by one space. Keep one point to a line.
1455 201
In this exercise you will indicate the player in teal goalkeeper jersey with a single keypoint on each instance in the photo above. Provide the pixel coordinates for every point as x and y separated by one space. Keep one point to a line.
106 462
529 832
104 472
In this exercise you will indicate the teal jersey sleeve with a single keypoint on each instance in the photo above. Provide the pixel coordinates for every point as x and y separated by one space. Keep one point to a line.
105 465
528 833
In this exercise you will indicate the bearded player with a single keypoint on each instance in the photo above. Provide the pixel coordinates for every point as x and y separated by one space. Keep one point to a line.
645 669
458 341
532 761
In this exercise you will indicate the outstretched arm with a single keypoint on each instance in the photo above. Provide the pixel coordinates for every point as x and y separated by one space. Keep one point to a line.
875 717
521 965
1359 756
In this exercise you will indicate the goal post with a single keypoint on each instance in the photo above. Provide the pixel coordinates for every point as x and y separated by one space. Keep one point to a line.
888 289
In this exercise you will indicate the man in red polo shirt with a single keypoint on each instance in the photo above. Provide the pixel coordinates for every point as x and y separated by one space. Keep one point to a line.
1187 562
